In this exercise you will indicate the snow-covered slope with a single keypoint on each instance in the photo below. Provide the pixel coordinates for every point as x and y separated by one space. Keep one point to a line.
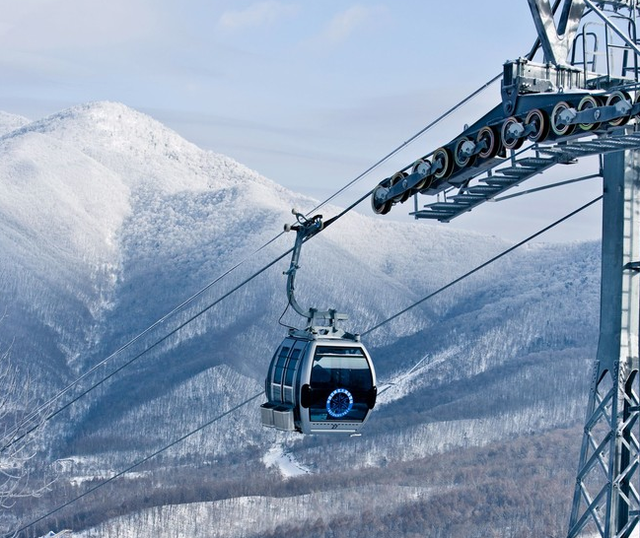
109 220
245 516
60 214
11 122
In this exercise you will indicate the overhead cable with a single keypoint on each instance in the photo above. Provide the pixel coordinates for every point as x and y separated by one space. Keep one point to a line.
483 265
12 436
255 396
133 466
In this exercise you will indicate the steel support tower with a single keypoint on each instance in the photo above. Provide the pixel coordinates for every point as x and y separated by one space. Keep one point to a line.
606 501
567 107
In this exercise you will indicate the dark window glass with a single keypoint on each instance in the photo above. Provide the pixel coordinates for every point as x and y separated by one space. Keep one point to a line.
338 350
345 367
282 358
319 413
291 367
339 367
268 380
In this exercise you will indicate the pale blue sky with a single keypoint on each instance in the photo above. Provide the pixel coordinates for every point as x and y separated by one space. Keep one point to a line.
308 93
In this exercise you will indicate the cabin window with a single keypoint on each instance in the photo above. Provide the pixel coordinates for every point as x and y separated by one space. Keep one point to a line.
336 367
341 367
291 367
282 359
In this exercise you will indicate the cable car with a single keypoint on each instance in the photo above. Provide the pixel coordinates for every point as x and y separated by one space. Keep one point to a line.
319 383
321 379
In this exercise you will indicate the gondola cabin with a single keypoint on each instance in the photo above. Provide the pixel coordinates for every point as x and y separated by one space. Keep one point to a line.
319 384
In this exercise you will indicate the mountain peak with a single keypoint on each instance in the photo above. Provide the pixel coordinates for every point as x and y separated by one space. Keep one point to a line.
139 148
108 121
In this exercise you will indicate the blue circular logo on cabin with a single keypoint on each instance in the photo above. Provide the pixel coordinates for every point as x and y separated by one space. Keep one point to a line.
339 403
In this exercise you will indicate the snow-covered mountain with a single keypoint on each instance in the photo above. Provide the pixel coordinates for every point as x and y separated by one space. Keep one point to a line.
109 221
11 122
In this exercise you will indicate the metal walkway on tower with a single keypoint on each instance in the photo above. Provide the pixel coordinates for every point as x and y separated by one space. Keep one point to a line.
521 166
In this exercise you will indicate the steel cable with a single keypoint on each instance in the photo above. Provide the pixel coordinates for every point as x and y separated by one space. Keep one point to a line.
483 265
11 437
255 396
133 466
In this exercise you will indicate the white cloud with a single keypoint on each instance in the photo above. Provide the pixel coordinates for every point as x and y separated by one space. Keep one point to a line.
344 24
257 15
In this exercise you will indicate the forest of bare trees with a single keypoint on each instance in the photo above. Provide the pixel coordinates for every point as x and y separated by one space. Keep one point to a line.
512 489
22 474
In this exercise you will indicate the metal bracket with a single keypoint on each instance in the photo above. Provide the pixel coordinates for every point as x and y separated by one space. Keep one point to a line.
318 321
556 40
632 266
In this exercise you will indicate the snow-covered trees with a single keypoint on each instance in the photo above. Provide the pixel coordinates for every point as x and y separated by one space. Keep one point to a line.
21 475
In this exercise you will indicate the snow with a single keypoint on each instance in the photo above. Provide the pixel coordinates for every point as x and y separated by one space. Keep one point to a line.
285 462
109 220
406 382
144 151
193 402
80 204
243 517
11 122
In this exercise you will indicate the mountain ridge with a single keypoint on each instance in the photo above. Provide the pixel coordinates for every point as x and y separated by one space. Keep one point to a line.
111 220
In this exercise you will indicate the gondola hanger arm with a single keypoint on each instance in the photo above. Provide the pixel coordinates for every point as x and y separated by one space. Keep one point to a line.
324 321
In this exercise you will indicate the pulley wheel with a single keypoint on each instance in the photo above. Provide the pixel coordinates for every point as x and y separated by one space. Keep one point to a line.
395 179
560 128
422 166
587 102
491 138
539 120
380 208
510 141
614 98
444 158
461 159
